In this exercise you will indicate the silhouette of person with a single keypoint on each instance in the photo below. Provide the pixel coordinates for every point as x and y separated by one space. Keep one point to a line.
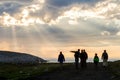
61 58
105 58
76 56
96 60
83 57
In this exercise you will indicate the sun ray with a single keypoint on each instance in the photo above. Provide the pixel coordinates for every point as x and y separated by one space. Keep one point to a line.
15 43
27 42
46 45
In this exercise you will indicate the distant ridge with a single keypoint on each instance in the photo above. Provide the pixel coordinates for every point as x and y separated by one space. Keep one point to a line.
17 57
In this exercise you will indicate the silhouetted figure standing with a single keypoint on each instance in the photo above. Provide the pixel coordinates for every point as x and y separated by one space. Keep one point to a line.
83 57
76 56
61 59
105 58
96 60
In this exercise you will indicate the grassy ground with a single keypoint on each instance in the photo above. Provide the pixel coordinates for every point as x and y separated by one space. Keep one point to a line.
20 71
15 72
115 69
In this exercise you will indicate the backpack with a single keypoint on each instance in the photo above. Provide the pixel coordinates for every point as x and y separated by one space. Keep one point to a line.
96 59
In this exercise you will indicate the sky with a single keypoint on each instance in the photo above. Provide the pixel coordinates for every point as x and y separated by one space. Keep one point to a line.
45 27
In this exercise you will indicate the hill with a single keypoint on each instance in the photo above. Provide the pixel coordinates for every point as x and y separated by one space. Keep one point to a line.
17 57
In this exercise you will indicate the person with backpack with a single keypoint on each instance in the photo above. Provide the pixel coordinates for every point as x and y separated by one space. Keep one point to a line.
105 58
96 60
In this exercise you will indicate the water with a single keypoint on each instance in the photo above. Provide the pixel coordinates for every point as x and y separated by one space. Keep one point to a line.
88 60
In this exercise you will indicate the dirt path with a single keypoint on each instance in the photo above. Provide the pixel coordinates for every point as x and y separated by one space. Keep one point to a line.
70 73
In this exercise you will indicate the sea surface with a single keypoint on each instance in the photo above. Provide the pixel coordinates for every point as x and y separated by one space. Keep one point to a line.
88 60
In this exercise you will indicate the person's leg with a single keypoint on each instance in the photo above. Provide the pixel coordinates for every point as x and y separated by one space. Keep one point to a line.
85 64
76 64
82 63
103 62
106 64
96 64
61 65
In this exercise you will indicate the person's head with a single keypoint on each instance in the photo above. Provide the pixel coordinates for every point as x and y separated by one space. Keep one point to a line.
60 52
104 50
78 49
95 54
82 51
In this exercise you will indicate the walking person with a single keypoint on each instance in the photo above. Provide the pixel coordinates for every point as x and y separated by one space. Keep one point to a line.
83 57
96 60
76 56
105 58
61 59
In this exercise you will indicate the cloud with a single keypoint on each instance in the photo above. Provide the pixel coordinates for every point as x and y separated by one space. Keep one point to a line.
105 33
13 6
118 33
67 22
22 1
15 13
9 7
101 9
109 8
63 3
49 11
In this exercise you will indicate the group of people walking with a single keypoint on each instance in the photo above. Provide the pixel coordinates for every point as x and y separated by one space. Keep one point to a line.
82 57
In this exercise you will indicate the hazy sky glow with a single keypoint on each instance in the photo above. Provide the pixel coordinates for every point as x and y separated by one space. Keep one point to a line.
46 27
